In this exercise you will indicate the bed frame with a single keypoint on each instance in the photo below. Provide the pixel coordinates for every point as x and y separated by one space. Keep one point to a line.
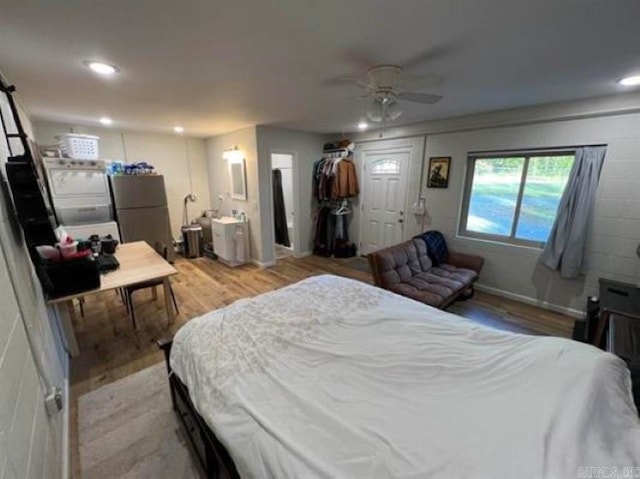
212 455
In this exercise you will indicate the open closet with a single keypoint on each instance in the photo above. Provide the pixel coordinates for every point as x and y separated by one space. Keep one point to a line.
335 184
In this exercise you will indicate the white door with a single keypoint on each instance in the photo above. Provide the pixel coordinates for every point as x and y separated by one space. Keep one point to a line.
384 198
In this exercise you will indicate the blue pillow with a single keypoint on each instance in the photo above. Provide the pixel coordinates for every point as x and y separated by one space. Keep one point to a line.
436 247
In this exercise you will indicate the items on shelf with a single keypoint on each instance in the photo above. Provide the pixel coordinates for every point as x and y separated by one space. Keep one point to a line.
79 147
119 168
74 265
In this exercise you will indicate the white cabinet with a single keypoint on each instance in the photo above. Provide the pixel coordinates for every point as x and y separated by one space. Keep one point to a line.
231 240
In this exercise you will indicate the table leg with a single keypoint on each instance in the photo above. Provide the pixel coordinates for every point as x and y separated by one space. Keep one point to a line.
66 313
168 305
154 293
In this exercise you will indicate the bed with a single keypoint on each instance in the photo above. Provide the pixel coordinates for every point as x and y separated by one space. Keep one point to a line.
333 378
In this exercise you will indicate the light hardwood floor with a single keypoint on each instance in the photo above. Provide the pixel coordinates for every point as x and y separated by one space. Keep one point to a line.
111 349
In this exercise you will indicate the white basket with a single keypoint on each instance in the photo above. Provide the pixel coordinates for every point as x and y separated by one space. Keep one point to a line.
79 147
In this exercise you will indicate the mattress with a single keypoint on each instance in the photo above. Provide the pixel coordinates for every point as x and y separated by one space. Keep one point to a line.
333 378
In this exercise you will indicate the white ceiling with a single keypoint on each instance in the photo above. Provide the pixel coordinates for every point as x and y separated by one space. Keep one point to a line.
218 65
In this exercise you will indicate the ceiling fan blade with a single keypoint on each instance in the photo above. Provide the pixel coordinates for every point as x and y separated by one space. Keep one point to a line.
419 82
360 58
339 81
430 54
419 97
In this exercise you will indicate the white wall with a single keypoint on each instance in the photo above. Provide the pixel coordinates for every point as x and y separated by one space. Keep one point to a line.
616 233
180 159
306 149
219 183
32 444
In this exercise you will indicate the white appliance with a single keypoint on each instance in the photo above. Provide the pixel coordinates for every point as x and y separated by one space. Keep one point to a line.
79 190
231 240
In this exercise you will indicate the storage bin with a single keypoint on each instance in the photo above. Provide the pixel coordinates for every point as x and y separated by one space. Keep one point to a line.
39 232
30 207
20 174
64 278
79 147
619 297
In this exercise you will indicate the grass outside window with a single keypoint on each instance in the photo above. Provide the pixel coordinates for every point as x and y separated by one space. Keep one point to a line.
514 198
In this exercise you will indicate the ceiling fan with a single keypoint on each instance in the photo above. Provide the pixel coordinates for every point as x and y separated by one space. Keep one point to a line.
387 85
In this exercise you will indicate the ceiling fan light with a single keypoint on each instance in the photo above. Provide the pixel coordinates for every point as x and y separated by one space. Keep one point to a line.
383 109
393 110
375 111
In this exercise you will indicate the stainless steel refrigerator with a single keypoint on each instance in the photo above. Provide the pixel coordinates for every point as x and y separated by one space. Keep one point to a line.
141 209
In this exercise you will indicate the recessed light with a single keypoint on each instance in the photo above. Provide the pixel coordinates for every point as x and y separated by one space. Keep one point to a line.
101 68
362 125
106 120
630 81
178 129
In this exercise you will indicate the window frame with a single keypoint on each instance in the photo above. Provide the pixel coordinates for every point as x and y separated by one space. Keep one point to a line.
468 185
396 171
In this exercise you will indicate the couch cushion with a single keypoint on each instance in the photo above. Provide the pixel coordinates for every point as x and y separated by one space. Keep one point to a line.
422 254
437 285
397 263
461 275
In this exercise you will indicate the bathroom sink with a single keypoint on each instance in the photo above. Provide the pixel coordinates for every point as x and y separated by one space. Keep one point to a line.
226 220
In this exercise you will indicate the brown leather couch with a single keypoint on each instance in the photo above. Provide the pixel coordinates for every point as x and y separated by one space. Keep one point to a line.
406 269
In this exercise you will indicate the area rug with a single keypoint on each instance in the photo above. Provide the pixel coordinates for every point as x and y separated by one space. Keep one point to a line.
127 429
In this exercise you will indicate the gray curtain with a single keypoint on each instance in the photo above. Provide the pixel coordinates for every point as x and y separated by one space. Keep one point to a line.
565 248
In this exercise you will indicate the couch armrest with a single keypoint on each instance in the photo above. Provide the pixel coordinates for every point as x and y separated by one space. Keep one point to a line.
373 267
468 261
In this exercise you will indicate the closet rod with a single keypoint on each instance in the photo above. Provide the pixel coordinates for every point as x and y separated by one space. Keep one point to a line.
337 150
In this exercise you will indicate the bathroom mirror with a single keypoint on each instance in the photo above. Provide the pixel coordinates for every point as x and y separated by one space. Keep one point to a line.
238 179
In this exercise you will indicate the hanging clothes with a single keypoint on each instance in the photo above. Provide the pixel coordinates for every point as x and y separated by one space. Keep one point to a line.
345 184
332 234
335 178
279 211
322 240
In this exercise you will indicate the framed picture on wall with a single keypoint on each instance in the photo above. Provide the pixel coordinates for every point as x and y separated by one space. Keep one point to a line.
438 172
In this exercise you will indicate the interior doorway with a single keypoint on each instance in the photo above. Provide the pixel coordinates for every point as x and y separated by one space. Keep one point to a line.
282 192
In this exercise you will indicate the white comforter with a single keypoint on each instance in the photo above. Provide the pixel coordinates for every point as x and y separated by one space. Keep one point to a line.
333 378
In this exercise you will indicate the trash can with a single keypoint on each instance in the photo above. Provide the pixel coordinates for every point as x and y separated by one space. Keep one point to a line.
192 236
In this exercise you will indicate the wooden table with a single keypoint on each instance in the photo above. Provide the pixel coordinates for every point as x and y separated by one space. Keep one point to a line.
139 262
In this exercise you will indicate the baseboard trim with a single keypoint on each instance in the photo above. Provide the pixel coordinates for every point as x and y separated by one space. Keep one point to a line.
303 254
574 313
266 264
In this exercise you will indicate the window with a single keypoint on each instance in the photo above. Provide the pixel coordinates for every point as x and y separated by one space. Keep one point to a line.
514 198
386 166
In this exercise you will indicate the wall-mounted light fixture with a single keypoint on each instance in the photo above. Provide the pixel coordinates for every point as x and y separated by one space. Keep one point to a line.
233 155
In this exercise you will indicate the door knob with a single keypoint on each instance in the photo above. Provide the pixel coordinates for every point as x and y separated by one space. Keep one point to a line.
401 213
400 220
